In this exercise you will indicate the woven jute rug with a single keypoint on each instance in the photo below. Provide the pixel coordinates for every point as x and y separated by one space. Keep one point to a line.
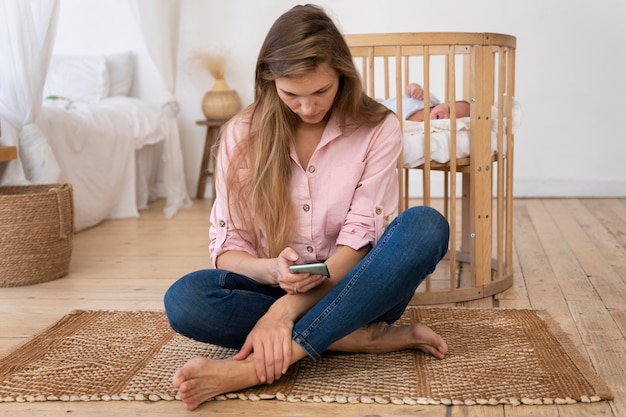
495 357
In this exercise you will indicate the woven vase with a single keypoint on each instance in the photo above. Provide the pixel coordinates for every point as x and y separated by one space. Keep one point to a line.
221 102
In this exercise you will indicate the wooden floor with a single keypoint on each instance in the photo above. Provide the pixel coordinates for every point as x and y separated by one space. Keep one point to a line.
570 258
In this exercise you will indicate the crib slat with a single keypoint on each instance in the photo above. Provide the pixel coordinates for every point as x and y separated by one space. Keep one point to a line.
480 151
509 165
451 97
427 149
500 162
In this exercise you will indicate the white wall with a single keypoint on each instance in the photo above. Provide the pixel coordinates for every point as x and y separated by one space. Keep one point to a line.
570 76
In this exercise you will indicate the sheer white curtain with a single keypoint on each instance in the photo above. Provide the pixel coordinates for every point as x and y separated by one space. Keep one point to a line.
27 32
159 22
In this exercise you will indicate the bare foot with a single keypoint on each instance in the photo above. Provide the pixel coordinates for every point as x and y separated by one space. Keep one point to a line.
383 338
201 379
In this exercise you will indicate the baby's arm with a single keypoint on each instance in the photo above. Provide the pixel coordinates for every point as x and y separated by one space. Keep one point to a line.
415 90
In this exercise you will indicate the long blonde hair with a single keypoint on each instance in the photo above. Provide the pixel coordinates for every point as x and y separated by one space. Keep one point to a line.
300 40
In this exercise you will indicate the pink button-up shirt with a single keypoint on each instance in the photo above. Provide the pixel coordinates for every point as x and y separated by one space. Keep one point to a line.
345 195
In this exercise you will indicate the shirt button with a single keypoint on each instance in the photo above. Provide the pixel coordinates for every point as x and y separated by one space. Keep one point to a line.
309 249
306 208
311 169
379 210
222 223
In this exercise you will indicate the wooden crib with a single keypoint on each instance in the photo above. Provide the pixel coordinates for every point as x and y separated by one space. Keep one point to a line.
478 68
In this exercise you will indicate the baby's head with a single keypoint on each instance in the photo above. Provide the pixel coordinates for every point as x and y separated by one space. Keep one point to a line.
442 111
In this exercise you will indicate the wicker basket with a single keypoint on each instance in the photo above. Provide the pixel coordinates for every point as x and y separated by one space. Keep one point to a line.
36 233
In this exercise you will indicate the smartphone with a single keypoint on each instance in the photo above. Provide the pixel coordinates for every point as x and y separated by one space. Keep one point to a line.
316 269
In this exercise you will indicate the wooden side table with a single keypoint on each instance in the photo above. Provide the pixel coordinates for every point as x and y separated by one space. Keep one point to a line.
213 127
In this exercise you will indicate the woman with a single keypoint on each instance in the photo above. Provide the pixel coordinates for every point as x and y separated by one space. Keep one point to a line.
306 174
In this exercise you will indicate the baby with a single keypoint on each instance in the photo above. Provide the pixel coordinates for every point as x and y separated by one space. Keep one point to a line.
413 105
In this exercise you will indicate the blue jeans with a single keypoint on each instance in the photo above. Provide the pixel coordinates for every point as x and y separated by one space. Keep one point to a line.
221 307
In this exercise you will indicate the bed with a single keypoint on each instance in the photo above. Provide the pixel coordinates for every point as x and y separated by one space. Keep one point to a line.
473 155
106 142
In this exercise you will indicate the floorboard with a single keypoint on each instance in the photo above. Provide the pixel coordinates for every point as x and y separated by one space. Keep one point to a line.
569 258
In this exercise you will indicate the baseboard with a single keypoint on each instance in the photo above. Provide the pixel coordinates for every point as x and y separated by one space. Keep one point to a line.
569 188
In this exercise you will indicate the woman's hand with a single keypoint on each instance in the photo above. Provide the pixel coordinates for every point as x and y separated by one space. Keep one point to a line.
295 283
270 340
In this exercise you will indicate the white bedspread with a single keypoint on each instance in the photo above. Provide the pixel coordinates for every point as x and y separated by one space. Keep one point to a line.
95 146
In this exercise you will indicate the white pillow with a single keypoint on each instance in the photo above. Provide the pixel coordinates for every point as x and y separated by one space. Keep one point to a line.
120 66
77 78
